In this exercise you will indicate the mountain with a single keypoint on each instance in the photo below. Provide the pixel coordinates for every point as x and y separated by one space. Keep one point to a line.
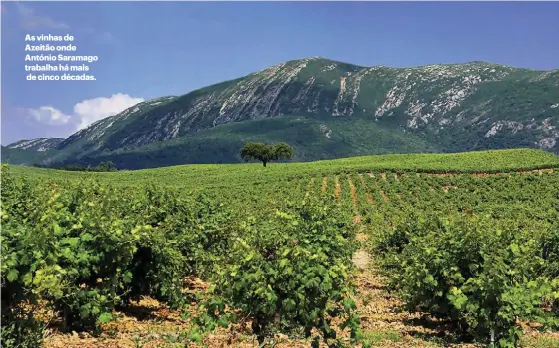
39 144
30 151
329 109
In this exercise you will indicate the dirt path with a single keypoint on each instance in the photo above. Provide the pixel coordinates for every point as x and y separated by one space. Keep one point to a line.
338 187
367 194
475 175
381 314
353 192
310 187
324 184
361 257
385 196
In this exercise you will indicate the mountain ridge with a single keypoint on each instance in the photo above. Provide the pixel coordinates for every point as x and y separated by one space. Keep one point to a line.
453 107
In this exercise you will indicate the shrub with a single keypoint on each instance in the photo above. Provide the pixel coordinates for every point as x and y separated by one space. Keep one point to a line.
85 248
288 273
485 273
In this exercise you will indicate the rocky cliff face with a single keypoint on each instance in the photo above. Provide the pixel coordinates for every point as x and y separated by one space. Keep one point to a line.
458 107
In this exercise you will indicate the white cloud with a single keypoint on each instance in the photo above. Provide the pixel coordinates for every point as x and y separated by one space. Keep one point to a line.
91 110
30 20
85 112
49 115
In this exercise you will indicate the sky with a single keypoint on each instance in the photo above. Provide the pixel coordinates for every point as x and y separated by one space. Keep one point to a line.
154 49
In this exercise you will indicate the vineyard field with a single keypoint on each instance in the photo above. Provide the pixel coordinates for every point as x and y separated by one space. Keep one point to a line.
378 251
191 176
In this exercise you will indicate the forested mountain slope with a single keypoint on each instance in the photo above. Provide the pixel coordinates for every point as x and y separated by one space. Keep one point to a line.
329 109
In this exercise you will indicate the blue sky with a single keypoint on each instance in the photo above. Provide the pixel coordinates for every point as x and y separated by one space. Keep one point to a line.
153 49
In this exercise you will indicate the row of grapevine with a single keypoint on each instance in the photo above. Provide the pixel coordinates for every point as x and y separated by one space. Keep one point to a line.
482 251
276 246
83 249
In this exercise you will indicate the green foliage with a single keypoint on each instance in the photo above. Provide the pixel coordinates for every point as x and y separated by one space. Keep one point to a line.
266 153
147 230
105 166
211 176
288 273
378 336
486 273
85 248
20 328
282 151
256 151
550 253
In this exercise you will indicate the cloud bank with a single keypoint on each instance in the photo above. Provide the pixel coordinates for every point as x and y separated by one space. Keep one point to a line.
48 115
85 112
91 110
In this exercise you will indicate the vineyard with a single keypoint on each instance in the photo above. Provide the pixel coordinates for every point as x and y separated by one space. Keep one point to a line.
454 250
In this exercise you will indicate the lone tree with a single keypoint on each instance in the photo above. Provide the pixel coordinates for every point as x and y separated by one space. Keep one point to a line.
266 153
108 166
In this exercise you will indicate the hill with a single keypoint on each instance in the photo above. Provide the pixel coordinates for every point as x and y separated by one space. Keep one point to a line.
329 109
40 144
219 177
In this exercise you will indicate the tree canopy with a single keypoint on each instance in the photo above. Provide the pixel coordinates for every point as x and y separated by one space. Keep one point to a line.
266 153
107 166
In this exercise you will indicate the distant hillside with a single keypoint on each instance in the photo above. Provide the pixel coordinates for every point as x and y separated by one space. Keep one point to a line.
329 109
40 144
